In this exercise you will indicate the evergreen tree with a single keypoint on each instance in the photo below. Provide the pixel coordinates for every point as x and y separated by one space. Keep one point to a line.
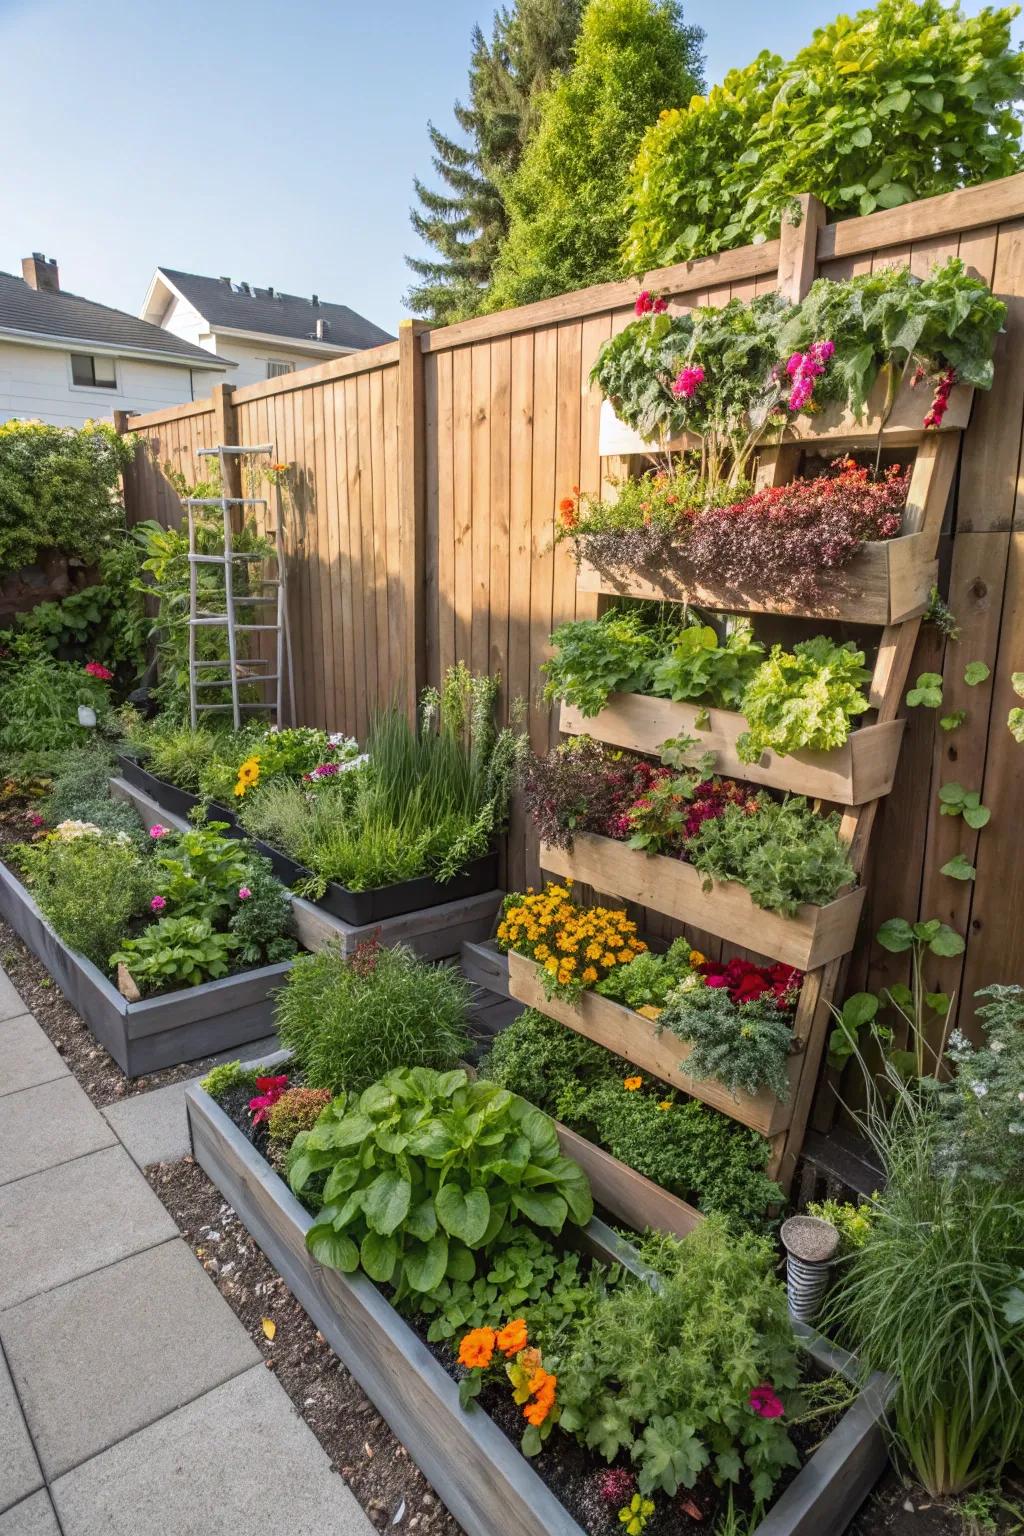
466 222
567 201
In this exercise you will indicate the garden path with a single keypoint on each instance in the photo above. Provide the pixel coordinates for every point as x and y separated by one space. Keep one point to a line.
132 1400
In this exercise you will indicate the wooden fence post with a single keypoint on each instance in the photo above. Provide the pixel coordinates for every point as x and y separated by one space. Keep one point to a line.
412 495
798 252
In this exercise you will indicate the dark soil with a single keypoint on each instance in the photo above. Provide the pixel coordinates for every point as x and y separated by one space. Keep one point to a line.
377 1468
899 1510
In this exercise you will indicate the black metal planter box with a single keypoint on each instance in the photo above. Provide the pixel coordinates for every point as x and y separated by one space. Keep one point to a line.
355 907
159 1031
489 1487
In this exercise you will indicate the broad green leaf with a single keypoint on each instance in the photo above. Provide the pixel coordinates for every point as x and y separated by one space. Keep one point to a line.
461 1263
464 1215
421 1221
1015 720
927 691
977 816
1013 1305
333 1248
975 672
952 721
544 1208
860 1009
386 1201
947 942
895 935
378 1256
959 868
425 1263
938 1002
1017 683
904 1063
350 1132
900 994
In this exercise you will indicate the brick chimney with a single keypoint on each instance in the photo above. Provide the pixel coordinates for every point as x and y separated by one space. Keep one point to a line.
40 273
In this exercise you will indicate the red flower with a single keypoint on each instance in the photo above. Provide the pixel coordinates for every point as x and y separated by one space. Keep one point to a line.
270 1090
97 669
766 1402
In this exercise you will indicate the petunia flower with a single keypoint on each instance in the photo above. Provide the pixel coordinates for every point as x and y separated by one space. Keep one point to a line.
766 1402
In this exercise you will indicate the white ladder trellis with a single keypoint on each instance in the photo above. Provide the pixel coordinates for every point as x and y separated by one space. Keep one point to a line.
249 672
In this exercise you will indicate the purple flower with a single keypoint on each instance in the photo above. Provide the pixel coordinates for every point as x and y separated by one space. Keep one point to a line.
244 893
157 831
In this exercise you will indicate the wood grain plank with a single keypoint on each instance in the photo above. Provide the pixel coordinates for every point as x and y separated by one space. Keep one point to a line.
478 595
462 476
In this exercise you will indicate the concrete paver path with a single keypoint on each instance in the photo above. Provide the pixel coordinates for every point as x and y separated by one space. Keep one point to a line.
132 1400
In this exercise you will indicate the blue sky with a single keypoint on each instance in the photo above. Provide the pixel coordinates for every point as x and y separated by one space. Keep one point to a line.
274 143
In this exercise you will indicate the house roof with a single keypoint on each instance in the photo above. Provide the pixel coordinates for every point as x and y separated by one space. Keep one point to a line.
34 314
286 315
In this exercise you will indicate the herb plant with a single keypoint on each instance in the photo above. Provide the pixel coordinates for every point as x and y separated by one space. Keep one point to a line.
704 669
424 1170
982 1134
90 888
350 1020
784 855
613 654
745 1046
176 952
803 700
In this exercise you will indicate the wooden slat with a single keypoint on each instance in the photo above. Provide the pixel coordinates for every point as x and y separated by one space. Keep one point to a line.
478 596
617 1188
628 1034
949 213
813 936
321 373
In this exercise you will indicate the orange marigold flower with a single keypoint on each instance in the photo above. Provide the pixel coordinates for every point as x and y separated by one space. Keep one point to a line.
542 1387
566 504
512 1338
631 1084
477 1348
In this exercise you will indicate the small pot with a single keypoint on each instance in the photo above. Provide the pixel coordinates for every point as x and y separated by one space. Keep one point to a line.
811 1245
86 715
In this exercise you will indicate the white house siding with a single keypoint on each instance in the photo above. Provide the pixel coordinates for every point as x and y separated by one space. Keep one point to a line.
35 384
181 319
252 357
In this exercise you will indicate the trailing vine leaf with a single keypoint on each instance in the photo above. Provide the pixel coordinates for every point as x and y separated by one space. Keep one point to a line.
959 868
957 801
975 672
952 721
897 935
927 691
1015 719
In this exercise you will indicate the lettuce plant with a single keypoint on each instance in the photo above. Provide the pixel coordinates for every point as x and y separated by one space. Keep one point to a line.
423 1171
176 952
803 700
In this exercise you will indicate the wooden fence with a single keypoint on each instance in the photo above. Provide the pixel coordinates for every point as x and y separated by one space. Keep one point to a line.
426 479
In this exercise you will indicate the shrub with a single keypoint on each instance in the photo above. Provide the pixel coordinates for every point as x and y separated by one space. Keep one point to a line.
350 1021
220 1080
983 1129
904 101
103 622
298 1109
80 792
57 490
89 888
424 1170
176 952
668 1376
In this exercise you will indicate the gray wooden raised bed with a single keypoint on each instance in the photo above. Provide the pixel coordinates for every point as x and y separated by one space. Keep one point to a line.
489 1487
435 933
160 1031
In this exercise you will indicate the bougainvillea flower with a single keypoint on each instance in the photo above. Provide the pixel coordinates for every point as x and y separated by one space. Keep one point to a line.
766 1402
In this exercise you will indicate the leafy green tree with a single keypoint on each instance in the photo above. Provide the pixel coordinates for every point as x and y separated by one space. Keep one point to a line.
466 221
906 100
567 200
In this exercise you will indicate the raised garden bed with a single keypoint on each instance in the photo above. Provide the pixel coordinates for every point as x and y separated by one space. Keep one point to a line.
479 1473
159 1031
861 770
627 1033
811 938
885 583
355 907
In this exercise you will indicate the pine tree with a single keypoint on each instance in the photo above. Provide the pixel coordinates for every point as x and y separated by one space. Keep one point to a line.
567 200
466 222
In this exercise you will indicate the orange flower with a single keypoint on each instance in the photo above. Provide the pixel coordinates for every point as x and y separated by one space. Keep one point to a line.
512 1338
477 1348
631 1084
542 1389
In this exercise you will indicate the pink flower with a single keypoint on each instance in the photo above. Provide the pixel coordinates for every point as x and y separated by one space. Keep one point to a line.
36 820
96 669
244 893
157 831
687 382
648 304
157 904
766 1402
271 1089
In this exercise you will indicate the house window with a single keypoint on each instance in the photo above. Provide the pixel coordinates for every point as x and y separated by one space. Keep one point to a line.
93 372
276 370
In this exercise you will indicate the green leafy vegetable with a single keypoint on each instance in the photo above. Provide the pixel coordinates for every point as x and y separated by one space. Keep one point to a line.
804 699
700 667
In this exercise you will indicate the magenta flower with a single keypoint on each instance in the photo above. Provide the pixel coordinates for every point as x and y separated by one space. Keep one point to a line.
157 904
648 304
36 820
97 669
157 831
244 893
270 1090
766 1402
687 382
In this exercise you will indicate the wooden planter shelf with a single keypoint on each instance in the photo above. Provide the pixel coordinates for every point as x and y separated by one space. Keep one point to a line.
884 583
813 937
629 1034
480 1474
862 769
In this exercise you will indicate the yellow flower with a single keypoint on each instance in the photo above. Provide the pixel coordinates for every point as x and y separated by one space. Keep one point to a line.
625 956
589 976
696 958
541 952
631 1084
608 959
664 1103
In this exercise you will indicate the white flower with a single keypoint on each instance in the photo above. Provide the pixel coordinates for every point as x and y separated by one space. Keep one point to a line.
995 1046
958 1041
980 1089
67 831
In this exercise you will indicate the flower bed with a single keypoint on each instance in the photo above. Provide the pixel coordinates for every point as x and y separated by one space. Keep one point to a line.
477 1470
